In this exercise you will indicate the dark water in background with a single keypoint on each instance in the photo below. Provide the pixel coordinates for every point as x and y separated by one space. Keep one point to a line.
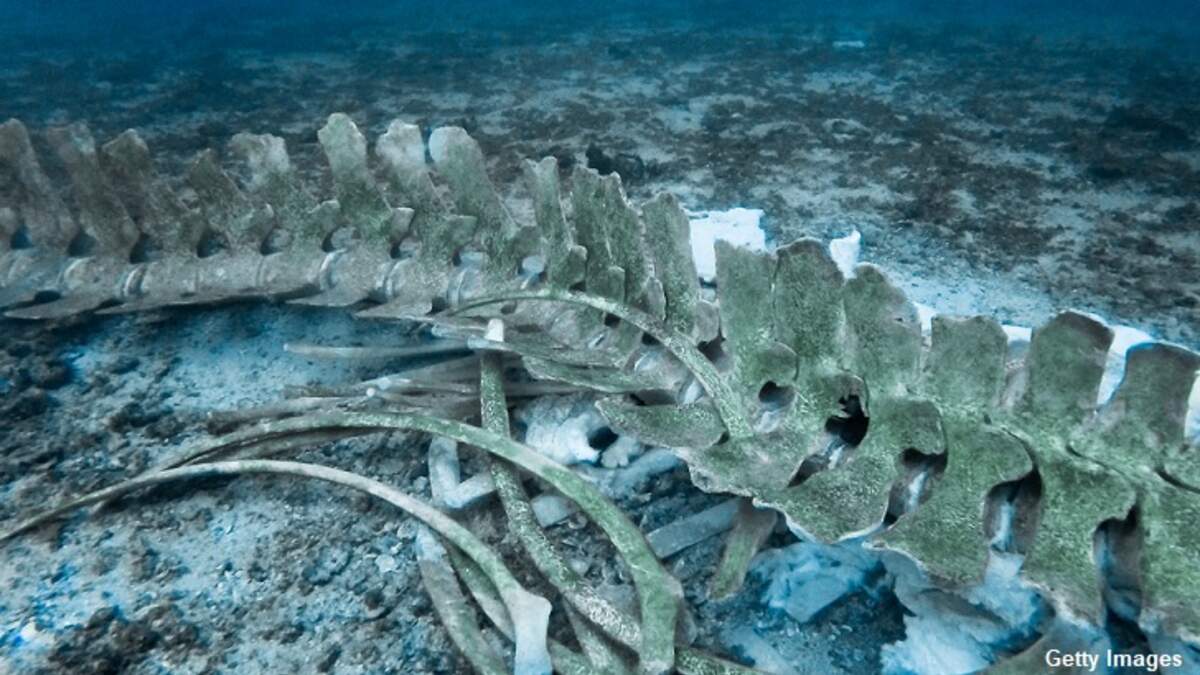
146 38
95 27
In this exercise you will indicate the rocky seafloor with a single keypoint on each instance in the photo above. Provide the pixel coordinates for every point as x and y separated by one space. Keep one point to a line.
995 172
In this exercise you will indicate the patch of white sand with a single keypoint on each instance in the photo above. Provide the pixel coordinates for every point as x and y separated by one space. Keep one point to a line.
738 226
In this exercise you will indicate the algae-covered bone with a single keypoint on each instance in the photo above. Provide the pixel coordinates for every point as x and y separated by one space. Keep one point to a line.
591 288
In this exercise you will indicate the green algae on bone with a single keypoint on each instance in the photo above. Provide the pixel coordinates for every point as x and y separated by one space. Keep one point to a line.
546 557
751 527
602 656
451 606
537 545
679 345
690 661
791 325
481 588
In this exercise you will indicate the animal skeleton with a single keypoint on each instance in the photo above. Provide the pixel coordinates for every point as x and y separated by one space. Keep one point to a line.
795 388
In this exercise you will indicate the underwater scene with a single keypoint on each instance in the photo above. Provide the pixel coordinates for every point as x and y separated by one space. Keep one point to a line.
523 337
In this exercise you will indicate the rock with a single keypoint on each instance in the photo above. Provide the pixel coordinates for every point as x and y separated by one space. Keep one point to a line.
257 572
166 621
50 374
567 429
377 603
105 644
330 658
690 530
19 379
133 416
288 632
31 403
421 604
750 646
962 631
847 128
167 426
386 563
1108 168
621 452
19 350
124 364
551 509
566 159
805 578
628 166
1139 120
328 564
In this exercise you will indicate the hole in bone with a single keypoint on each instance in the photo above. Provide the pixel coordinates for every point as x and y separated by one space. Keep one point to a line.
774 397
1117 547
1126 637
649 340
773 402
20 239
276 240
211 243
1011 512
46 296
611 320
601 438
920 470
713 350
508 308
81 246
851 426
437 304
519 427
817 462
533 266
999 515
842 433
143 251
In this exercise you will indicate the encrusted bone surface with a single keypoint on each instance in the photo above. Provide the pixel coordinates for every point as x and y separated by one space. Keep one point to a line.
860 427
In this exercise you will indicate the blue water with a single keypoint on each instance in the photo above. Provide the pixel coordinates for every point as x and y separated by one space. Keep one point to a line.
96 27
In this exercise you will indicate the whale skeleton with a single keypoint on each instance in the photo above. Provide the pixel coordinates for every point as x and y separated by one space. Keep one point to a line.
789 385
